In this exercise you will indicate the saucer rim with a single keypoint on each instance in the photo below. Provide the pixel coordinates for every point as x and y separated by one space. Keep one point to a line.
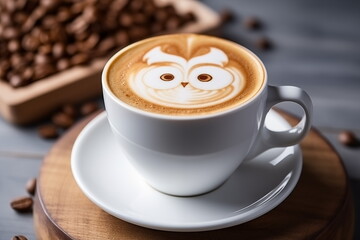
185 227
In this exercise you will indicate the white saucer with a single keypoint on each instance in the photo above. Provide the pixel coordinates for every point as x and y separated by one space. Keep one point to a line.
111 183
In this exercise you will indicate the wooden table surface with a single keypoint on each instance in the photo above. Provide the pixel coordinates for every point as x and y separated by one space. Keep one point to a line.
316 47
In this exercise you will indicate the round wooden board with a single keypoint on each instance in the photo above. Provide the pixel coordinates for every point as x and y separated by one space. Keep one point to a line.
320 207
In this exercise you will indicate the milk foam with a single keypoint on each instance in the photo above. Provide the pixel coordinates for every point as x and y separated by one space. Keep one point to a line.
185 74
186 89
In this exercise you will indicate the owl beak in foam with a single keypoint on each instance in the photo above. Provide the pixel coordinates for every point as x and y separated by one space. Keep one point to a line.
184 84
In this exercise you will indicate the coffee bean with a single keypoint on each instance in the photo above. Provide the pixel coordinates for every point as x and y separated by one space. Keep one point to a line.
136 33
71 49
19 237
43 70
41 58
63 64
69 110
49 21
58 50
91 42
48 131
122 38
252 23
106 45
263 43
30 43
16 81
22 204
88 108
27 74
62 120
63 15
13 45
226 15
79 58
20 17
10 33
161 15
31 186
173 23
125 20
349 139
189 17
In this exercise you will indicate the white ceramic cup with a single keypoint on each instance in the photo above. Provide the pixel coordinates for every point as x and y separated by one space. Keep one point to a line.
192 155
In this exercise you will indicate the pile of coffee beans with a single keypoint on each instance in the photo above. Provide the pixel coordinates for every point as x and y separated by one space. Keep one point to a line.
65 117
42 37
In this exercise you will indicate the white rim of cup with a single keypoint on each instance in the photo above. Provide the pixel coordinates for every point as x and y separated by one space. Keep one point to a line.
106 87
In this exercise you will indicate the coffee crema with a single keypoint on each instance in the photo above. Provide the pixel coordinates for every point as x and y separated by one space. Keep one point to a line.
185 74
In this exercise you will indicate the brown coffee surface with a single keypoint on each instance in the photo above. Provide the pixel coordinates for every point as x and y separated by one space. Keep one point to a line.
185 75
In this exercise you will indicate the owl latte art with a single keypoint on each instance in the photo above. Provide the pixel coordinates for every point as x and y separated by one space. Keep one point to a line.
185 74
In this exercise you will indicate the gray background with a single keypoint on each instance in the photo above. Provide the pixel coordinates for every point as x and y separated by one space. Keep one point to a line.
316 47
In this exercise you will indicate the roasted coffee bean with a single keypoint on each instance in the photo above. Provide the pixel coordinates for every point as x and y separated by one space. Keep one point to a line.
10 33
173 23
91 42
5 19
19 237
69 110
77 26
263 43
138 32
106 45
63 15
30 43
136 5
17 81
31 186
126 20
58 50
88 108
13 45
63 64
41 58
45 49
122 38
48 131
43 70
161 15
226 15
49 4
139 18
22 204
16 60
71 49
252 23
79 58
27 74
349 139
62 120
20 17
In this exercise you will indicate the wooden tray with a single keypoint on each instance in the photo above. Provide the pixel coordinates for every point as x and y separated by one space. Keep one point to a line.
320 207
35 101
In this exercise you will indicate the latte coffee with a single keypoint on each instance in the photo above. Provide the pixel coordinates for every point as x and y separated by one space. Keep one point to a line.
185 75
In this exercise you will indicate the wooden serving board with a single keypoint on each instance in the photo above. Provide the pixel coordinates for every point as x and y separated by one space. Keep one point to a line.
320 207
30 103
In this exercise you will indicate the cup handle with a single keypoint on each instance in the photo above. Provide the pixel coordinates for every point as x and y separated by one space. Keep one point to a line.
267 138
